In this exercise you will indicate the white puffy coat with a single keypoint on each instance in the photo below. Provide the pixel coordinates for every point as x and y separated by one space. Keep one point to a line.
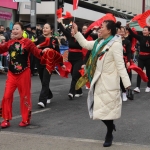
104 98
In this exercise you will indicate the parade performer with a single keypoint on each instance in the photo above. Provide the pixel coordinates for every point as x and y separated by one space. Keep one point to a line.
75 57
46 41
18 75
103 70
126 55
144 55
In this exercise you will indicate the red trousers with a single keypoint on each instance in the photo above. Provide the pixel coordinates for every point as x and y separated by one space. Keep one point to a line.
23 83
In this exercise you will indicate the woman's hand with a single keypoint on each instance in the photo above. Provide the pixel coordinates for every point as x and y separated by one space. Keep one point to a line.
75 28
95 27
38 46
127 25
128 88
44 50
59 20
83 66
63 67
128 65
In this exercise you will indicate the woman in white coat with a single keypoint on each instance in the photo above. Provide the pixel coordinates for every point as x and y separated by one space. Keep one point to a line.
103 70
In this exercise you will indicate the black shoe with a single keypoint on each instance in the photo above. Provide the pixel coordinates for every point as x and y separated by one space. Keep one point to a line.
70 96
108 141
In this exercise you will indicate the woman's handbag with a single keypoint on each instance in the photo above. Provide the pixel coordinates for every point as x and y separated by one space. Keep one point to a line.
130 94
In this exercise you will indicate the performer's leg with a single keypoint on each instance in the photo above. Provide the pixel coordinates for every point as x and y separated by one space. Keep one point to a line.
10 87
40 71
122 86
75 76
147 66
45 87
109 136
24 88
141 65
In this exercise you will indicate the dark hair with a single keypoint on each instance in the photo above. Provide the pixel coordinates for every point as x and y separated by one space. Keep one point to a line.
20 24
118 26
147 28
51 26
111 25
7 29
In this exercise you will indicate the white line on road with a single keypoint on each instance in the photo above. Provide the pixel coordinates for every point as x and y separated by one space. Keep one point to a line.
35 112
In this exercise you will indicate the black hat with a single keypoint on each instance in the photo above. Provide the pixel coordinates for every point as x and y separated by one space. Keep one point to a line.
27 25
33 28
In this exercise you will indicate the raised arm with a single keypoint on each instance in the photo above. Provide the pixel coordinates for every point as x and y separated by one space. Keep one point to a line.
136 36
65 32
83 42
118 58
128 49
31 47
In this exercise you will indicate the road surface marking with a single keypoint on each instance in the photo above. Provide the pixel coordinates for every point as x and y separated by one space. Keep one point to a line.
35 112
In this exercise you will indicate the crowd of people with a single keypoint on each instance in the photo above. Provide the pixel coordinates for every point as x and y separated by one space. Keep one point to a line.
103 52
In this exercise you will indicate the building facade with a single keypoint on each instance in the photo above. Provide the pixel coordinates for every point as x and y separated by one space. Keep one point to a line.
8 10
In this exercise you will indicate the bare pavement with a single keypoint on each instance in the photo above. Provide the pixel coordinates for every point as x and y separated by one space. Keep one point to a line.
65 125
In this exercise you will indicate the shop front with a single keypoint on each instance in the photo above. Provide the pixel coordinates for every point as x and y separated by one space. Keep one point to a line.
8 10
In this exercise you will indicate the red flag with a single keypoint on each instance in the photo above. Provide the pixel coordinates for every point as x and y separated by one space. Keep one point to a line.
75 4
99 22
45 43
144 19
139 71
137 17
59 13
68 15
65 72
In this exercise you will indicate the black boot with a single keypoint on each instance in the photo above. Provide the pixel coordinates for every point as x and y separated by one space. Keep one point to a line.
109 137
108 141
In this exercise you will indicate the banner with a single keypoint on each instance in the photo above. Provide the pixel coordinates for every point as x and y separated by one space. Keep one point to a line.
5 15
8 4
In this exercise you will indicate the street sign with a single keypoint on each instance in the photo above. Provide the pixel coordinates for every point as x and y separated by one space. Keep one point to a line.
27 6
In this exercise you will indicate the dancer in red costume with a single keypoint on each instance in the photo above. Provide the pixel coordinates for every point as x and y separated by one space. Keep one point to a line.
19 75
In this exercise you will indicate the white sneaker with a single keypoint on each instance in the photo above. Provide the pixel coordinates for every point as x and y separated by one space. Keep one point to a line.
41 104
70 96
147 89
87 88
124 97
137 90
78 95
48 101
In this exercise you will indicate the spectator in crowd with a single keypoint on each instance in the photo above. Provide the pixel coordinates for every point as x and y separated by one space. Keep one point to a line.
2 32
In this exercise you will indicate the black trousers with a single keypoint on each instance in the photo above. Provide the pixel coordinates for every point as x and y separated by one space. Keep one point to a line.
32 63
45 81
110 126
76 66
144 63
121 83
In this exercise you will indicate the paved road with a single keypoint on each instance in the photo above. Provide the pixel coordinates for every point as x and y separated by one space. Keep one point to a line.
65 125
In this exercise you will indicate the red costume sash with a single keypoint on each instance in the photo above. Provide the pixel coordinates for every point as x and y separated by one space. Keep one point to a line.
75 50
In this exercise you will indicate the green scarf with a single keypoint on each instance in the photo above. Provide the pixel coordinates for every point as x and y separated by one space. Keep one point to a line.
91 63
